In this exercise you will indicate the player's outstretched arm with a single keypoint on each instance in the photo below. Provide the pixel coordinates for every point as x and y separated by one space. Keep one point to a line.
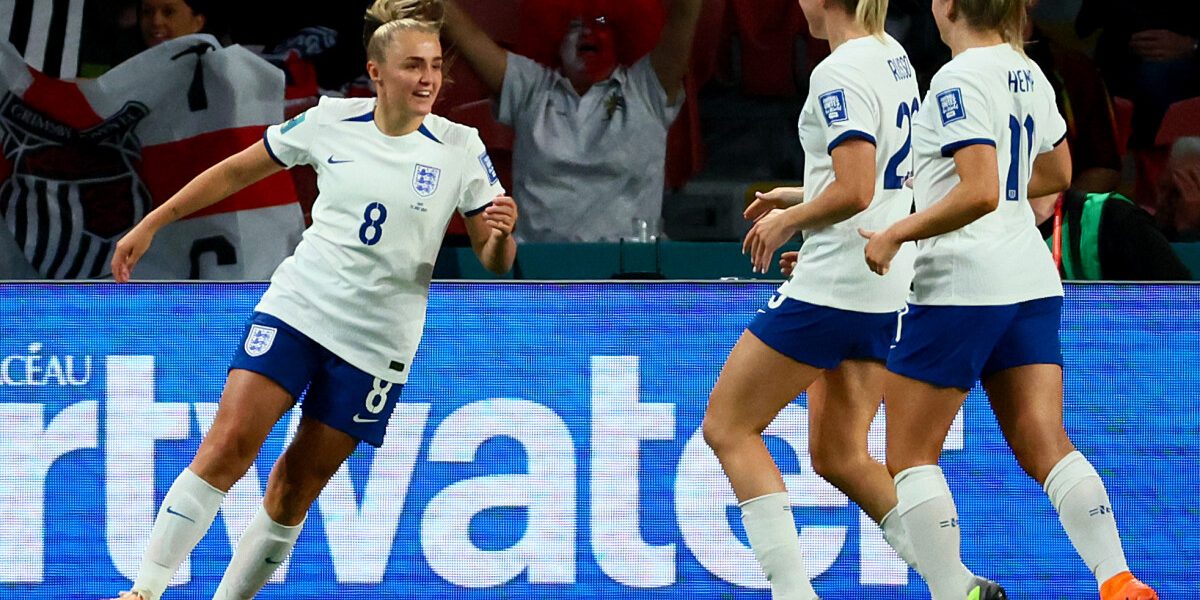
1051 172
850 193
976 194
491 235
672 56
489 60
213 185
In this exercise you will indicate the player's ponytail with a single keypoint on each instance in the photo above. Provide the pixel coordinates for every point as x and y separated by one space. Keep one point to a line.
869 14
1006 17
385 17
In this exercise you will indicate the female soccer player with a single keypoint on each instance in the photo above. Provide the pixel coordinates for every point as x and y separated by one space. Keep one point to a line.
986 299
343 315
829 327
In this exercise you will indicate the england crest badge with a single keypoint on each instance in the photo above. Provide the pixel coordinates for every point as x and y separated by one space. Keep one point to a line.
425 180
259 340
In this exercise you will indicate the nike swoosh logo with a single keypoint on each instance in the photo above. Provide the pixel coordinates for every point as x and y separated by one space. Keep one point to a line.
273 562
171 511
358 419
333 161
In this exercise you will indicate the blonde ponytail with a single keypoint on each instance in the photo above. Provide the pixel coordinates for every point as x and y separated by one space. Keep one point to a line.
385 17
871 15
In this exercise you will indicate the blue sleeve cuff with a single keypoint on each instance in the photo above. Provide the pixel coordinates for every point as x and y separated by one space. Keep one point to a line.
267 143
477 210
850 135
949 149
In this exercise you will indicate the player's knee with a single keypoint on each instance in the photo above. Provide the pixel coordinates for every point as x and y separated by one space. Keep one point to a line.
719 434
223 458
835 463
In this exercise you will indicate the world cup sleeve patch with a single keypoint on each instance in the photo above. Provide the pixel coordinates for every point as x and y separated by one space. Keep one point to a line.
486 162
950 104
833 104
259 340
296 120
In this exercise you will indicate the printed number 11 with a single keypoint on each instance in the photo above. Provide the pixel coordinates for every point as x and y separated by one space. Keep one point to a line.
1014 165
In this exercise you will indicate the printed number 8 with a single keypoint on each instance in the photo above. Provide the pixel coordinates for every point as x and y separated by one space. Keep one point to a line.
377 399
372 227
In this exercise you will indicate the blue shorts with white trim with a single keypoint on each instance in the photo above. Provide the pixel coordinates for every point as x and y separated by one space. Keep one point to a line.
955 346
822 336
338 394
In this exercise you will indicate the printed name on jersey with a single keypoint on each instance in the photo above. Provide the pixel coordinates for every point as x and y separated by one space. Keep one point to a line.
259 340
296 120
833 104
488 167
950 103
425 180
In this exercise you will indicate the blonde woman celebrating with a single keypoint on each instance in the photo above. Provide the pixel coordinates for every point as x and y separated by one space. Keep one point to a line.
342 318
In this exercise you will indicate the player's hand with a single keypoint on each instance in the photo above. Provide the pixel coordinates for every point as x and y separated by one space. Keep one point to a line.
129 251
881 249
765 202
501 216
768 233
787 262
1160 44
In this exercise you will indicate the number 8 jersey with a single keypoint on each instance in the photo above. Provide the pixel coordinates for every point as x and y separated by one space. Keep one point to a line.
358 281
995 96
866 89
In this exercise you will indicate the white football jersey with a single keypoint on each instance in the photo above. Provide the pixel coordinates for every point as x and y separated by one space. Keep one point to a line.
999 97
866 89
358 281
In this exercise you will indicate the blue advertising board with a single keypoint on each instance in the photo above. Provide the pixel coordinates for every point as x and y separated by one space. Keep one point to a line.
548 445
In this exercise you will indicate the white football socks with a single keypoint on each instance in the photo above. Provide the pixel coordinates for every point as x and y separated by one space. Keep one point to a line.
776 544
931 520
1078 494
896 536
263 547
186 513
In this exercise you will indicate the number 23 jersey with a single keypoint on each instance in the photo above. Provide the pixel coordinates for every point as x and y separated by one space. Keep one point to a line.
358 281
998 97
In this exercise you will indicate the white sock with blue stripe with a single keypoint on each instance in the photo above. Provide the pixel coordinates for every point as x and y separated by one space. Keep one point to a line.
1078 494
931 520
776 544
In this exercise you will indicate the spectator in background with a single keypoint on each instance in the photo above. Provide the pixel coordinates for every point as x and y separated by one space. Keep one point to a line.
162 20
1084 102
1148 53
1179 192
591 121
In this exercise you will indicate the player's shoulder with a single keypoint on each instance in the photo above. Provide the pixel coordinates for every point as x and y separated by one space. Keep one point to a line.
331 109
452 134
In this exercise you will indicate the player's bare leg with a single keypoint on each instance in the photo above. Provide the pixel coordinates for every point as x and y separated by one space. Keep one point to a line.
250 406
316 453
841 405
1028 403
756 383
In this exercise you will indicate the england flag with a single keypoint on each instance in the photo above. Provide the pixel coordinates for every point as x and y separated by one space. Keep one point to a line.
83 161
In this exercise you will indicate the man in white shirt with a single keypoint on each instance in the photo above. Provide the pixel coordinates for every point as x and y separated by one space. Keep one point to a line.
591 134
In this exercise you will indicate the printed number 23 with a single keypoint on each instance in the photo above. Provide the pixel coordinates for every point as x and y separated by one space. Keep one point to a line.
1012 190
891 179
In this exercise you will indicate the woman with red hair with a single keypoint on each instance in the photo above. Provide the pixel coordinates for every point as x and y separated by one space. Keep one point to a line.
591 92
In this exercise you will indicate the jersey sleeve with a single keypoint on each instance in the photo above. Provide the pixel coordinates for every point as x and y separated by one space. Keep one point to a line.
1053 126
846 106
523 78
645 88
288 143
480 182
964 112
